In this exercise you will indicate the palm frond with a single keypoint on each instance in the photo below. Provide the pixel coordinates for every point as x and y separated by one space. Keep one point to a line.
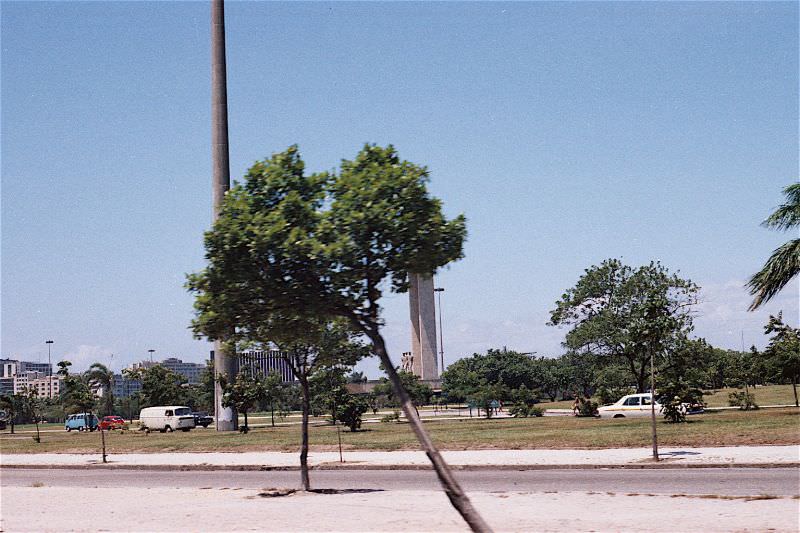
781 267
787 215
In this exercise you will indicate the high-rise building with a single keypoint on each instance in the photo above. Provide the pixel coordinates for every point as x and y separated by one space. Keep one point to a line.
266 362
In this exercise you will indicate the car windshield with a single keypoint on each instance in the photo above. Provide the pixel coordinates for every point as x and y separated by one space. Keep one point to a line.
183 411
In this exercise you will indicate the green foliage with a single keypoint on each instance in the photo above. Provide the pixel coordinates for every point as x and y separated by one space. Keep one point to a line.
356 377
784 263
328 390
419 392
160 386
13 406
586 407
506 368
626 314
77 396
524 411
393 417
675 396
612 383
743 400
290 254
784 350
288 247
276 396
349 411
242 394
99 375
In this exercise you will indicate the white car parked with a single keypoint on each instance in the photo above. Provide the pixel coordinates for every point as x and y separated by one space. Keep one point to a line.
630 405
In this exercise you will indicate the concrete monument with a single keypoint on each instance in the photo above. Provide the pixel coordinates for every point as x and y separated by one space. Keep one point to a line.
422 310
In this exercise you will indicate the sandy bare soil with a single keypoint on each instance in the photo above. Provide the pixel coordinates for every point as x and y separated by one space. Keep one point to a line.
619 456
127 509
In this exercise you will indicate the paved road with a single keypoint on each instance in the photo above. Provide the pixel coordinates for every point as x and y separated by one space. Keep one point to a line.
728 481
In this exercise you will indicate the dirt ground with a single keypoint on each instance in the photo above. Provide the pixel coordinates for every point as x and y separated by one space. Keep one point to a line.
130 509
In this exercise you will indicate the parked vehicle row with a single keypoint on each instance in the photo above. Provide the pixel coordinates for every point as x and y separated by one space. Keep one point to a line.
166 418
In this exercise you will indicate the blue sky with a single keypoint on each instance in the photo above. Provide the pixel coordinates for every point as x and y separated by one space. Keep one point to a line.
567 133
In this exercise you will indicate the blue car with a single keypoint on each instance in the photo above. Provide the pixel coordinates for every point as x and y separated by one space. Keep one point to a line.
81 422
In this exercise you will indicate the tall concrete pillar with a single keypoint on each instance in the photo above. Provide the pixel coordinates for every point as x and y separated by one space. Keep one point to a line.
413 306
422 308
224 363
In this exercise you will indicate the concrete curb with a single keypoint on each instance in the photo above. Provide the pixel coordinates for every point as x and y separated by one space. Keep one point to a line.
352 466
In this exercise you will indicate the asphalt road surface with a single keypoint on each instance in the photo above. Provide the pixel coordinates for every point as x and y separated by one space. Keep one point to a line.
721 481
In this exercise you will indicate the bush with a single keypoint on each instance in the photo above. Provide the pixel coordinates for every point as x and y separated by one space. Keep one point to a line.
743 400
524 411
394 417
675 396
586 407
349 412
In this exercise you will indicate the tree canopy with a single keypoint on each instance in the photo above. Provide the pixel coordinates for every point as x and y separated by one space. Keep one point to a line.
290 248
626 314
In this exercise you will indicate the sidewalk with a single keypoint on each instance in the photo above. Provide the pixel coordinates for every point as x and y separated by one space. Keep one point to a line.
741 456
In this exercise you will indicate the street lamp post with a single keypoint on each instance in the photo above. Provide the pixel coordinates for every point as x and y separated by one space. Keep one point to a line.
440 290
49 370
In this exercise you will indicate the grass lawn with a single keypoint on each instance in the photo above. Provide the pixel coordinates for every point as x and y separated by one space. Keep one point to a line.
769 395
728 428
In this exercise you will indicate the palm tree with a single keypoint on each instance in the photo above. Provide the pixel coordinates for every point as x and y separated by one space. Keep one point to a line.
784 263
99 374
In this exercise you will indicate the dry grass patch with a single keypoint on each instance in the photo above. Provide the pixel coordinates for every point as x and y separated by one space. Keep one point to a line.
728 428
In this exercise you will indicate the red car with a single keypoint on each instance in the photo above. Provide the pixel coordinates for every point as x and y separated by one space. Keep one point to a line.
112 422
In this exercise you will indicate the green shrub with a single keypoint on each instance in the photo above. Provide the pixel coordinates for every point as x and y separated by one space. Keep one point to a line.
743 400
586 407
349 412
394 417
524 411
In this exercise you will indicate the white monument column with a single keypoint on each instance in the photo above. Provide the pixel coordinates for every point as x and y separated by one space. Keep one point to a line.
427 328
413 306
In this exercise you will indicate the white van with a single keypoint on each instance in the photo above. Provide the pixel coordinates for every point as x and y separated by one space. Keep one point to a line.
166 418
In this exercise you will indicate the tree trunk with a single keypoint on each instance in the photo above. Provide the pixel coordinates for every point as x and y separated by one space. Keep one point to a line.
457 497
794 389
653 406
246 427
304 442
272 413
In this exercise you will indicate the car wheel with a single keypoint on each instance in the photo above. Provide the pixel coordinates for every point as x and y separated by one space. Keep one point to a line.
619 416
168 429
69 429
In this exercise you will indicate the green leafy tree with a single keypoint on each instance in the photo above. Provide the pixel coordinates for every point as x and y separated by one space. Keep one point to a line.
554 377
612 383
77 395
99 375
14 406
243 394
356 377
626 315
33 404
328 389
289 249
160 386
309 347
276 395
784 350
420 393
350 410
497 367
784 263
